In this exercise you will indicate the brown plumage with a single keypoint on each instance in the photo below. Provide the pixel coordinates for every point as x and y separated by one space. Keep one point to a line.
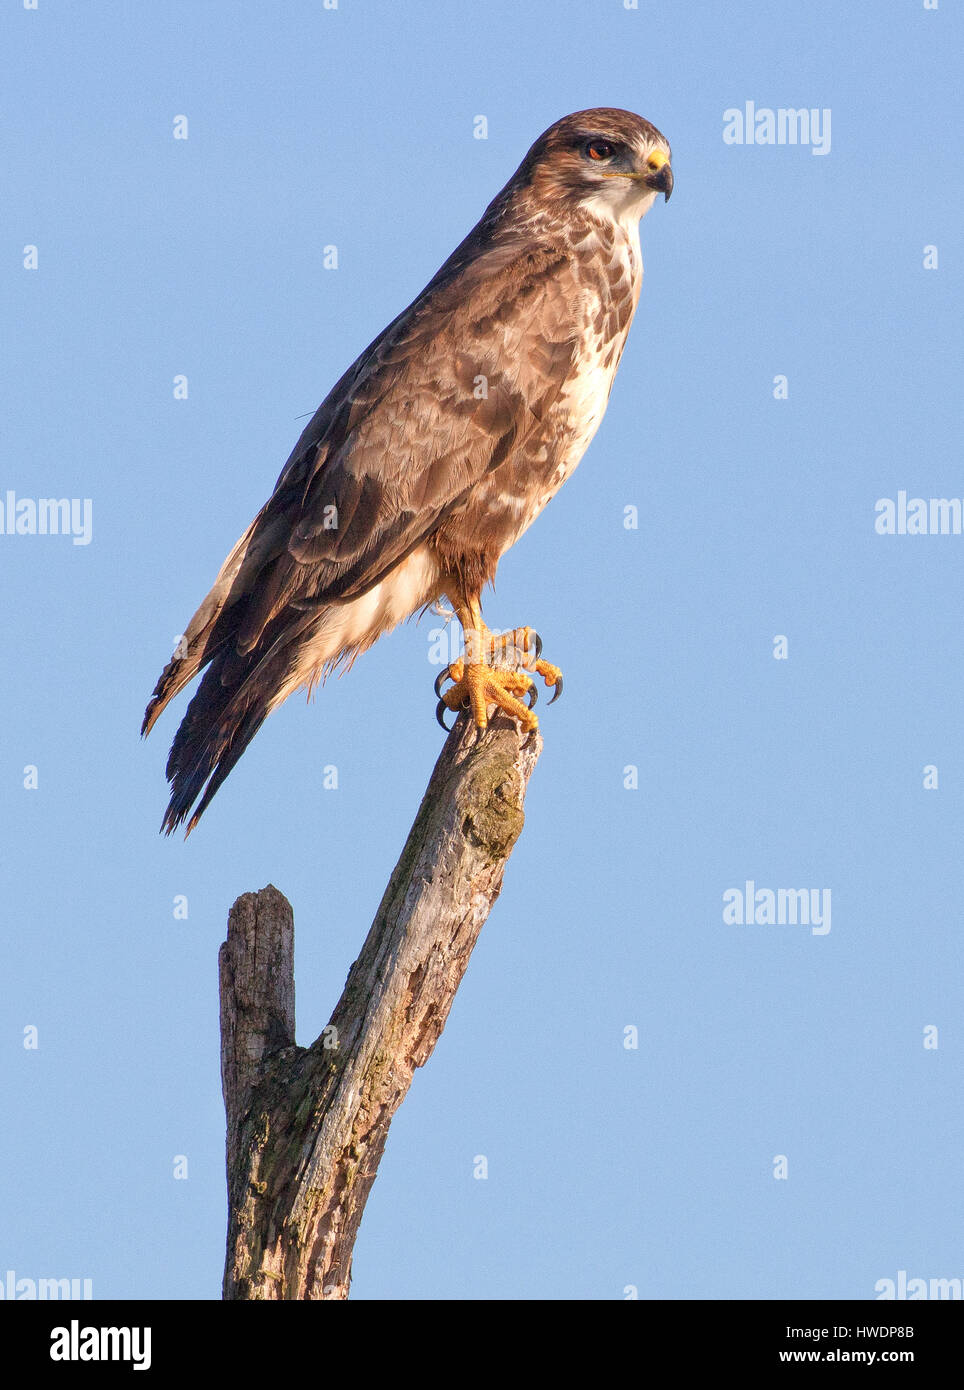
437 448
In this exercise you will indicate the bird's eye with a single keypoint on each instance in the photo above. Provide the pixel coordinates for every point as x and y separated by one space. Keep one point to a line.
600 149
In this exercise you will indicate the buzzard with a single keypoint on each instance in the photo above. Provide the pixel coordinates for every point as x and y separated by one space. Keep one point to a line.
431 456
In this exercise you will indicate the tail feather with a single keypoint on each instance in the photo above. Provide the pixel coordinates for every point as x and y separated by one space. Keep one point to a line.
207 746
254 664
210 628
228 708
178 672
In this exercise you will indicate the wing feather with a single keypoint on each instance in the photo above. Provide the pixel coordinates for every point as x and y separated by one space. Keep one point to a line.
434 404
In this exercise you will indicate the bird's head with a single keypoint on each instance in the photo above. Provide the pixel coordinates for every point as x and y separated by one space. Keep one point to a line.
608 160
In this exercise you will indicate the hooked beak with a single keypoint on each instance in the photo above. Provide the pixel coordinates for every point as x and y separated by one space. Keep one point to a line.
660 174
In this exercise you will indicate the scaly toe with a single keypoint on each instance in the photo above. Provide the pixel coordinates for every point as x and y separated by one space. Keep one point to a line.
481 686
551 675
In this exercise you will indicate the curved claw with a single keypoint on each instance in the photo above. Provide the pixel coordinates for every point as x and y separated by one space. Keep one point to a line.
558 690
440 712
538 644
533 695
442 675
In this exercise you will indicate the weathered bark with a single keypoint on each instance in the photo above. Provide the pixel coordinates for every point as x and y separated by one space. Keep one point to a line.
306 1127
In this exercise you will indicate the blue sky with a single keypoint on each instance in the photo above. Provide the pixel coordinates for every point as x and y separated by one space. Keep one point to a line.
609 1168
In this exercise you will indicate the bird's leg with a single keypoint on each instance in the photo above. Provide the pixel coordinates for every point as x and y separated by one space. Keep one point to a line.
478 683
479 678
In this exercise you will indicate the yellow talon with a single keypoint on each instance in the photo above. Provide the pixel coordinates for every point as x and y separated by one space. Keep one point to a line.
479 686
480 683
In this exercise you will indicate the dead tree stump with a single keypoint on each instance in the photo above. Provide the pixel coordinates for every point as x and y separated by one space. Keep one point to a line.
306 1127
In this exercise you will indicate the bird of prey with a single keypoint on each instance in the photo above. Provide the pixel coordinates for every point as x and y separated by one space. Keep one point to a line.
431 456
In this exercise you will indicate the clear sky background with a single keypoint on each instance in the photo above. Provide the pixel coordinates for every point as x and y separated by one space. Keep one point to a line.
608 1167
